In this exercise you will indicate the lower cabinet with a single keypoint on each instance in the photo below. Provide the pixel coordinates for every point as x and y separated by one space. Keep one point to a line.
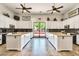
16 41
61 42
12 42
64 43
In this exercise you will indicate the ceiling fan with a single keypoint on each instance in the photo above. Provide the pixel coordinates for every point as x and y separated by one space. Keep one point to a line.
24 9
54 8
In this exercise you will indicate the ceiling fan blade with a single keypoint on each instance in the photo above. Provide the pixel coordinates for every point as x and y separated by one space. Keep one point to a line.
57 10
29 8
22 6
18 8
59 7
22 11
52 12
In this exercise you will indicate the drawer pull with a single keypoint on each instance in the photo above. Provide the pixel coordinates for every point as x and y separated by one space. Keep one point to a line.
62 37
15 36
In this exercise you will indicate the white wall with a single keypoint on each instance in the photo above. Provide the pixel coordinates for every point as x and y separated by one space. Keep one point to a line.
5 22
4 9
50 24
55 25
43 17
73 22
24 24
66 14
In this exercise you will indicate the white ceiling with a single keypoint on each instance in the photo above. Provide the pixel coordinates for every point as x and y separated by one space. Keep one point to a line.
37 7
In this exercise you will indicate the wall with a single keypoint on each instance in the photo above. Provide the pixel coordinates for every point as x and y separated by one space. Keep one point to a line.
73 21
55 25
4 9
6 21
66 14
50 24
43 17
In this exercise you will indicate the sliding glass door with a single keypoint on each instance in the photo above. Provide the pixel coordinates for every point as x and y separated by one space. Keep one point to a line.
39 29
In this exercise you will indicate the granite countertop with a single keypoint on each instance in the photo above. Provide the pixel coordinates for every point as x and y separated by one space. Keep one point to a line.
16 34
3 33
60 34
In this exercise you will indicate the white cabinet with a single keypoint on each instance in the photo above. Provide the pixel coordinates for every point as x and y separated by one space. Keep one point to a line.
73 22
17 41
55 25
76 21
5 21
64 43
60 25
61 42
12 42
24 24
77 39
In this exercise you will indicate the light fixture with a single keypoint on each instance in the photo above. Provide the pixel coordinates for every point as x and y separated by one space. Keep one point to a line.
54 11
24 10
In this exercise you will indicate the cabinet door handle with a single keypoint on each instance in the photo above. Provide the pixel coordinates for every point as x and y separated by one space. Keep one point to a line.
62 37
15 36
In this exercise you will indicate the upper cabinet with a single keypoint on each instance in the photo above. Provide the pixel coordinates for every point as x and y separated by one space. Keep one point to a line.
73 22
24 24
5 21
72 18
54 25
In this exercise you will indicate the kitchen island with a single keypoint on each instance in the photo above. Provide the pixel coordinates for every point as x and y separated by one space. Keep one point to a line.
17 41
61 41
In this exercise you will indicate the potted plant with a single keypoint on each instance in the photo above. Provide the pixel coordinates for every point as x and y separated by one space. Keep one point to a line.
62 19
54 19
